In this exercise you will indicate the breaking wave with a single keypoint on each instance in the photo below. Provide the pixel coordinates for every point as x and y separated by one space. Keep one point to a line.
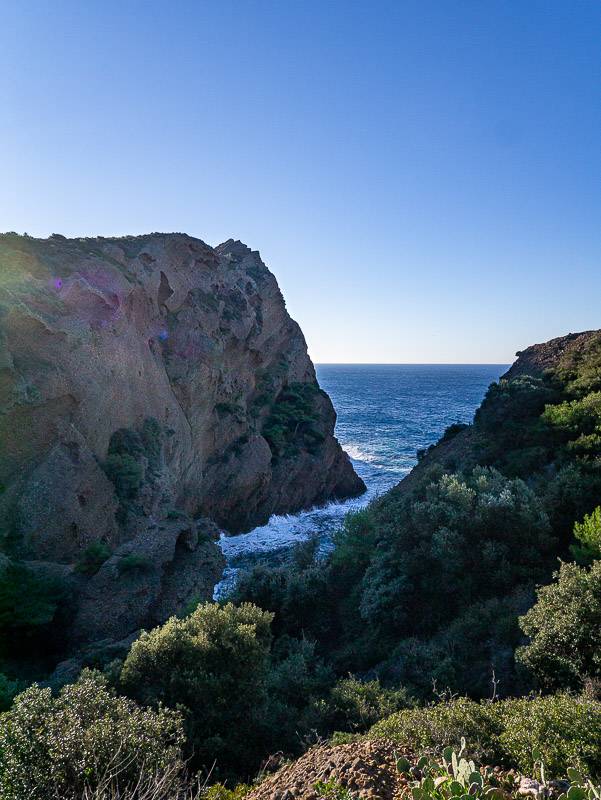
357 454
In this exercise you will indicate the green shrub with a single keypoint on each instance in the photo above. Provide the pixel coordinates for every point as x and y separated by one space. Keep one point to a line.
126 474
354 706
93 557
466 653
565 629
126 441
432 728
296 676
588 533
569 494
355 542
218 791
480 532
130 456
565 729
487 540
228 408
579 370
332 790
452 430
291 424
61 746
214 665
295 592
133 563
511 433
580 423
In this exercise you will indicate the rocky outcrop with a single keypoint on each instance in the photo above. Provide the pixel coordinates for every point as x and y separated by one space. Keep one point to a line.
558 358
146 382
556 353
361 769
149 579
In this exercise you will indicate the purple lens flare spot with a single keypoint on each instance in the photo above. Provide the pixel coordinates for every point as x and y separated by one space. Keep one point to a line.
164 335
58 284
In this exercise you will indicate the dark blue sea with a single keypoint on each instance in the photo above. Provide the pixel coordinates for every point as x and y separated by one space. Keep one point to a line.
386 413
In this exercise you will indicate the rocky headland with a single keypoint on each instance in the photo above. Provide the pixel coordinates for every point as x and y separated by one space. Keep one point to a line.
153 389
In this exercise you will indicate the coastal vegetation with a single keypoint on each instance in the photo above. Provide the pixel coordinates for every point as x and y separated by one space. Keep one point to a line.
464 603
291 424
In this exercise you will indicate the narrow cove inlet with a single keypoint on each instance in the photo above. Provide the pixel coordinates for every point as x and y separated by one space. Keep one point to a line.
300 400
386 413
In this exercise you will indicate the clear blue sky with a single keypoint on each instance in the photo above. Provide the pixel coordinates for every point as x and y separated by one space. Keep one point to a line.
424 178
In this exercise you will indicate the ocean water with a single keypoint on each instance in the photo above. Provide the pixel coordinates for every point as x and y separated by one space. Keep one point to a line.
385 414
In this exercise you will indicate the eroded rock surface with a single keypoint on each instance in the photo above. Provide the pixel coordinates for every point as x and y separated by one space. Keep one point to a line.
146 382
366 769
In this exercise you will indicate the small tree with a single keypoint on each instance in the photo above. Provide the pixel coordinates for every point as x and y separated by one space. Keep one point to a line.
214 665
565 629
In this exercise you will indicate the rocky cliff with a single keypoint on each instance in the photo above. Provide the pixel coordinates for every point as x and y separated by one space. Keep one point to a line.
560 353
146 383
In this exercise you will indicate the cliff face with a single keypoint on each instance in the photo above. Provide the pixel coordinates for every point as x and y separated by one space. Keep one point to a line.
146 381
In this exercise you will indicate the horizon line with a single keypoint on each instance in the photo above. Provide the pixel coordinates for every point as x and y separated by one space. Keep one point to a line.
413 363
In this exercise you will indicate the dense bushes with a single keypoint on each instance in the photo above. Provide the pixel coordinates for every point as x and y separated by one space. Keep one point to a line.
411 575
297 590
241 697
428 582
481 532
511 432
354 706
292 421
133 458
564 728
126 474
58 747
468 654
580 423
434 727
565 629
89 739
213 664
579 370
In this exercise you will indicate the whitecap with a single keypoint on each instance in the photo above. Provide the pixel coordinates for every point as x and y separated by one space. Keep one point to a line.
358 454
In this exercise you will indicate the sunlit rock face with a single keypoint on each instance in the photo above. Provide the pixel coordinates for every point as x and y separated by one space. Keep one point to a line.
152 378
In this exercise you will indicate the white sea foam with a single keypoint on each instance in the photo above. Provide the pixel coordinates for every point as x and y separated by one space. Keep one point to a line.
282 532
286 530
358 454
